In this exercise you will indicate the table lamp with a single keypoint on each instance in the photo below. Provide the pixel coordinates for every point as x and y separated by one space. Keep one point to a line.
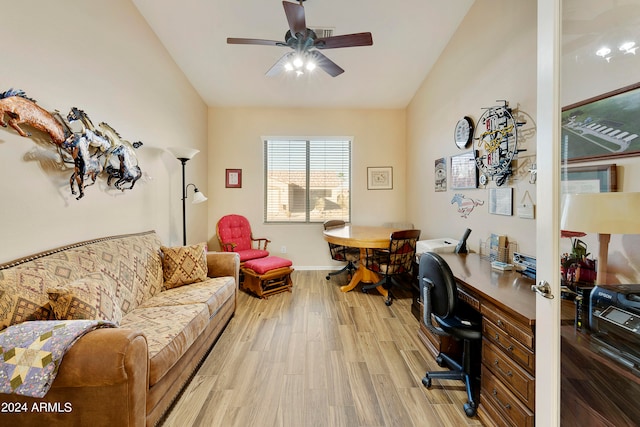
602 213
184 154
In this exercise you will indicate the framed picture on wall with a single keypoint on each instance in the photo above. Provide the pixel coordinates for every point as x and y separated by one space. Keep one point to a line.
589 179
440 174
233 178
380 178
602 127
464 173
501 201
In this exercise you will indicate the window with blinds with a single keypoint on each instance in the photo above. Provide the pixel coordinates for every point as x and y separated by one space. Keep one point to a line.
307 180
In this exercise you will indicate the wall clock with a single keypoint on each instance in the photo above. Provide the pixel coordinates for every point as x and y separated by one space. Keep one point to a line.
496 143
463 133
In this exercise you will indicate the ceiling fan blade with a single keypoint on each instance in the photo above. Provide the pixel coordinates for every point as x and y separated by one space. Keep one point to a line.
327 65
295 17
347 40
278 66
233 40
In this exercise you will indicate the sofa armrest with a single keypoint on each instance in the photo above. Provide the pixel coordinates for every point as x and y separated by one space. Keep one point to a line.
223 264
104 377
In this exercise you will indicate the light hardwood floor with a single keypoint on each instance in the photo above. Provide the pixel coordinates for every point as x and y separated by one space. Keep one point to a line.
319 357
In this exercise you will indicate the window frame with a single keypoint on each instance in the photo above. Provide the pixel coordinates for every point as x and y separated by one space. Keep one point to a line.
308 141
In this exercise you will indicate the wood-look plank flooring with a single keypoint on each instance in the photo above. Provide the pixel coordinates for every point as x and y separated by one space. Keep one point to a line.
319 357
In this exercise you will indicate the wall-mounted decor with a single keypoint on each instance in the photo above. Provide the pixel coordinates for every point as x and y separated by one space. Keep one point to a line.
92 150
501 201
233 178
496 142
440 174
601 127
380 178
464 173
589 179
466 204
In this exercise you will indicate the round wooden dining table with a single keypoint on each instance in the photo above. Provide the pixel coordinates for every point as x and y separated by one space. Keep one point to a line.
363 237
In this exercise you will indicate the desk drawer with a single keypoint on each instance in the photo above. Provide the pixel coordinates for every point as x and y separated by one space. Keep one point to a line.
513 328
509 346
499 398
469 298
513 376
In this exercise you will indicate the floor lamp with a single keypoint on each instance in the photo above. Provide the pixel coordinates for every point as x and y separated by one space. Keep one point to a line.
184 154
602 213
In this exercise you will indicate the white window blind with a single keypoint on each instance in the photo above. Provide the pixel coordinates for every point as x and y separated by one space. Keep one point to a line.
307 180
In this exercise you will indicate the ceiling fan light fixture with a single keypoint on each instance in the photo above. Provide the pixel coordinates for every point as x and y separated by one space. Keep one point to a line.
298 62
310 65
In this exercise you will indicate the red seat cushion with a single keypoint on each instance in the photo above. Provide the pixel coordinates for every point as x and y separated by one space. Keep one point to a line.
250 254
264 265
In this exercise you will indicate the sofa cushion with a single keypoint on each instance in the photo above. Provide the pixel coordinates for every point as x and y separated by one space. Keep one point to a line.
184 265
92 297
214 292
169 330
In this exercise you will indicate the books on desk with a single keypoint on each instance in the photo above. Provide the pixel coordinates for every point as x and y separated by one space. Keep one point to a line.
502 266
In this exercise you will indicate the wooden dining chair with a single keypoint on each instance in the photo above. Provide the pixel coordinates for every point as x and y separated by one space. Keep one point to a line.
397 260
340 252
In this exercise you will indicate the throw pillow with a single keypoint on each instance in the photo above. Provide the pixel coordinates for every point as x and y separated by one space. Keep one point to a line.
92 297
184 265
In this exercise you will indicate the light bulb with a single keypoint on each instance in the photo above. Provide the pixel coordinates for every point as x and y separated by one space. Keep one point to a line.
297 62
288 66
628 47
311 65
603 51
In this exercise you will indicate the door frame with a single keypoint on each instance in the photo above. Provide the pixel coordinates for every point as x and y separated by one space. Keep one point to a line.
548 212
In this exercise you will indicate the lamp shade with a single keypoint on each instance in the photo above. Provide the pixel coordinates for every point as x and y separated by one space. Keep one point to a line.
198 197
606 213
183 152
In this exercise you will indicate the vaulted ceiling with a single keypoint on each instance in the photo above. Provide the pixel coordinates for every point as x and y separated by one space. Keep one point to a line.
408 37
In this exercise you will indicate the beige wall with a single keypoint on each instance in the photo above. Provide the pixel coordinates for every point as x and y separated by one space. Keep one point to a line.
491 57
235 143
102 57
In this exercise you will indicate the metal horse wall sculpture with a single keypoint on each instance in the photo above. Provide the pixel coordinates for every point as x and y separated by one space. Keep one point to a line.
92 149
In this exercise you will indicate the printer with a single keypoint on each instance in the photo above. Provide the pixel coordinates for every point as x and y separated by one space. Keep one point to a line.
438 246
614 319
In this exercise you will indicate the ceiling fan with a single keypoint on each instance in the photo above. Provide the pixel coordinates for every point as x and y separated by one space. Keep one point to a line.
305 44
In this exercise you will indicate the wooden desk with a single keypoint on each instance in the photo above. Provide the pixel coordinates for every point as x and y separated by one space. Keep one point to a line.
508 309
363 237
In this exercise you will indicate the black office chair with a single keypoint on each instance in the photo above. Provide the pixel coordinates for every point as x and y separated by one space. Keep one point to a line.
394 262
342 253
440 298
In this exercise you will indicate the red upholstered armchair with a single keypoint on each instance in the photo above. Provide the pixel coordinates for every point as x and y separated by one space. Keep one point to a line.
234 235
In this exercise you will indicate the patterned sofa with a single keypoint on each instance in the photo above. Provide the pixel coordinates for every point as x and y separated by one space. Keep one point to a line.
127 375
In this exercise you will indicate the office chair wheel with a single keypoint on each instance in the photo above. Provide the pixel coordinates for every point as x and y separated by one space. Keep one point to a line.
469 409
426 381
440 360
328 277
364 291
388 302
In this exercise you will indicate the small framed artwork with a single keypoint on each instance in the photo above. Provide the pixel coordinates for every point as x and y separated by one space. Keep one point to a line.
464 173
233 178
380 178
501 201
440 174
589 179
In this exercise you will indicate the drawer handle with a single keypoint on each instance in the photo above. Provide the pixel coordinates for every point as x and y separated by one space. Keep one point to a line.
509 373
504 405
500 323
510 348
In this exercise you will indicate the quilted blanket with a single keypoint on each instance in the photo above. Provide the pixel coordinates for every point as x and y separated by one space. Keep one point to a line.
31 353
